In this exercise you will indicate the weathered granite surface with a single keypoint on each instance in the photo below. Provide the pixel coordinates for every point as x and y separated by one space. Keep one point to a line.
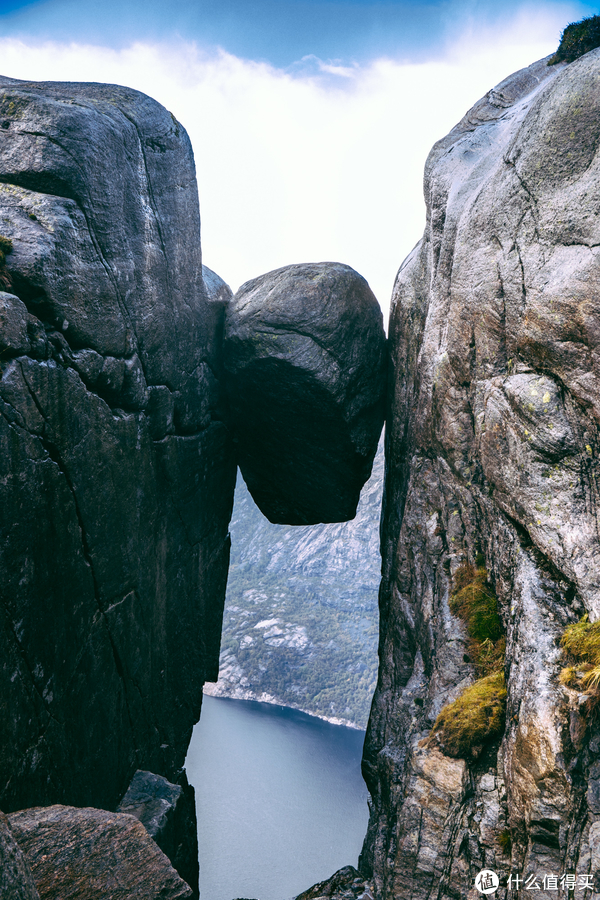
168 813
345 884
116 468
305 376
16 880
493 451
87 854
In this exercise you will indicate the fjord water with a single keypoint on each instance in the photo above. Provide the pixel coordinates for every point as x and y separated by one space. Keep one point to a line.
280 799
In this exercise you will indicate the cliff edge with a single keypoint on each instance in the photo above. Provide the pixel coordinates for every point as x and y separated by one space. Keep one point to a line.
491 500
117 469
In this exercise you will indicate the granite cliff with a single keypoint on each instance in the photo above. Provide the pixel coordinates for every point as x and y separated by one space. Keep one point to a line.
117 468
127 396
492 471
118 452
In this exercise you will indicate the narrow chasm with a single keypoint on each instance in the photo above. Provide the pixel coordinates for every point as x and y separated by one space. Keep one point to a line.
300 634
282 729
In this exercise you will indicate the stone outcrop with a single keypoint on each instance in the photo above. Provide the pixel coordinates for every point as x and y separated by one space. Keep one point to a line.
305 377
86 854
346 884
16 880
493 459
168 813
117 470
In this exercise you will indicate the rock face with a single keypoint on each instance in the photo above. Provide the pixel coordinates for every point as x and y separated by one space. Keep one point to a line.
305 364
492 458
16 880
117 471
346 884
85 854
168 813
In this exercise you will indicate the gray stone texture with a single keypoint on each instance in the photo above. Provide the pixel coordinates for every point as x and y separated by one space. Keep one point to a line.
168 813
116 469
345 884
87 854
305 375
493 449
16 880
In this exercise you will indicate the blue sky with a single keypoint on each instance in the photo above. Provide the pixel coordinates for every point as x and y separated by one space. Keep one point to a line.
278 31
310 121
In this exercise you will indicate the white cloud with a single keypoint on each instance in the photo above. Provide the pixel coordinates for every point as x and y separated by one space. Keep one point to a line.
321 162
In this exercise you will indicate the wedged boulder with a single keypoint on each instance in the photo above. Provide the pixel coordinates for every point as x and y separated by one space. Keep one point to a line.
168 813
86 854
16 880
305 374
116 468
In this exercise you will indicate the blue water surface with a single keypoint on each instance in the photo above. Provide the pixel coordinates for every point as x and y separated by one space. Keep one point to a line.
280 799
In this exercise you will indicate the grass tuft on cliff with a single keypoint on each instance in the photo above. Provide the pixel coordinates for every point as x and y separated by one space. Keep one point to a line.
474 601
477 716
577 38
581 641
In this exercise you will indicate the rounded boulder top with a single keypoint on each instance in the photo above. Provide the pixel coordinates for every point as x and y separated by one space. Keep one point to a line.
305 375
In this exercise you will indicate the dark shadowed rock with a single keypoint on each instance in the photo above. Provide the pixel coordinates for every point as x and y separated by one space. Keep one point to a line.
16 880
305 364
116 470
168 813
88 854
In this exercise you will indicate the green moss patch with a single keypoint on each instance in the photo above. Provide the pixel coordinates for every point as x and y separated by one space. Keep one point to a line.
477 716
505 841
581 643
577 38
474 601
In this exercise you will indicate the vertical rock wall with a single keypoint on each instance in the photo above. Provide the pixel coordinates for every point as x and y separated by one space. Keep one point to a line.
116 470
492 453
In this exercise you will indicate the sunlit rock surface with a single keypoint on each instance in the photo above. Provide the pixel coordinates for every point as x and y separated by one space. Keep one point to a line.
87 854
305 367
492 449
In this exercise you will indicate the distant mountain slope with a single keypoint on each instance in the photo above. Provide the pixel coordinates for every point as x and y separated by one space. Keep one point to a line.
301 624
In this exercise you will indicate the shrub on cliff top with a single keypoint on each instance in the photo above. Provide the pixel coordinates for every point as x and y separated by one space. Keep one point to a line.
577 38
474 601
581 641
477 716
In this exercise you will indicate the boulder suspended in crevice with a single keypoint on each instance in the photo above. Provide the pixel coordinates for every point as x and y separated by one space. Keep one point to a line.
305 375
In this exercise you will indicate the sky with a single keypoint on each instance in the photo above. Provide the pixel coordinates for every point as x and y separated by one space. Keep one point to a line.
310 119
